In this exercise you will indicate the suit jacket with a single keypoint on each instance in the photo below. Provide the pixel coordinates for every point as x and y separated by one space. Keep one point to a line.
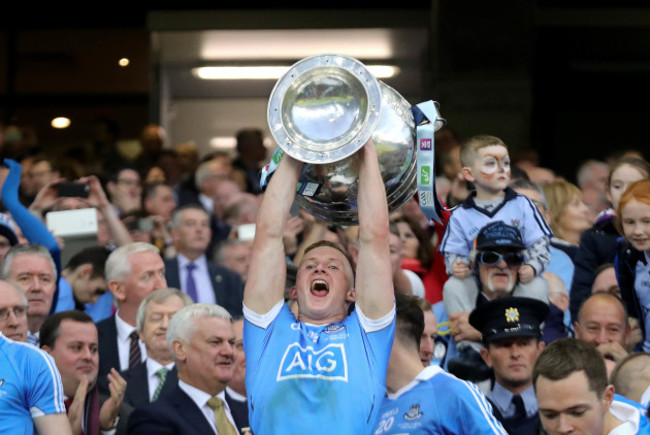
107 344
239 411
220 230
527 426
124 414
227 285
137 385
175 413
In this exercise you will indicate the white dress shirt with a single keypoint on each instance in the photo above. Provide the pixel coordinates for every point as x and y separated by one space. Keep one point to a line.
124 342
153 380
204 290
200 398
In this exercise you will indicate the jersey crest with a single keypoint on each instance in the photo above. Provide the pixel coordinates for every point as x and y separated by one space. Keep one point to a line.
414 413
333 328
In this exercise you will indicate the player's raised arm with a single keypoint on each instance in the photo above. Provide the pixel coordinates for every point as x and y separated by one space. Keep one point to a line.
267 273
374 281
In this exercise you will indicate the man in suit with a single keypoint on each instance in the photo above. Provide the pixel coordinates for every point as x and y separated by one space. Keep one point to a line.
70 338
512 338
132 272
202 343
190 270
156 376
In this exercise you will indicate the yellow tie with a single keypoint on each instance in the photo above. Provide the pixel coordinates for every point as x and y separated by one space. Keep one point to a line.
223 424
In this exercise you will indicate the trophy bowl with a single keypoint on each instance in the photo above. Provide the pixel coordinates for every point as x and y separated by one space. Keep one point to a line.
321 112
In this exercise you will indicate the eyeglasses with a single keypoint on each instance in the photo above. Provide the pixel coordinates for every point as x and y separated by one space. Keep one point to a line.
491 258
19 311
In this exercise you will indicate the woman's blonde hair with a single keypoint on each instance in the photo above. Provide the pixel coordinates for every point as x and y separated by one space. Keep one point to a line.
558 195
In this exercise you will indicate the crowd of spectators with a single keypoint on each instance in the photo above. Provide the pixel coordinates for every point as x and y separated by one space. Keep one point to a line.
132 313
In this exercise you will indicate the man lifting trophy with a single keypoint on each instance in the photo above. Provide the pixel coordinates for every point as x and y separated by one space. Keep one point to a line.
348 154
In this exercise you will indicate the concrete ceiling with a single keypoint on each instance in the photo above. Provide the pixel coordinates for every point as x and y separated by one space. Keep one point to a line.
199 110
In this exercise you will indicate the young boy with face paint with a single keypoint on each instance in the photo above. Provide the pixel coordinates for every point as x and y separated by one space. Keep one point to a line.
486 164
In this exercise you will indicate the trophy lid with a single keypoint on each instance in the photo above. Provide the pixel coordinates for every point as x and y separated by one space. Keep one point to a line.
324 108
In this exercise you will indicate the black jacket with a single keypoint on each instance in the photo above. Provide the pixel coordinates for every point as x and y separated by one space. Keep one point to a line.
597 247
625 263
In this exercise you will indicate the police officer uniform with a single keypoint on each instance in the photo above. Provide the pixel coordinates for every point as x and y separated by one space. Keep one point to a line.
503 319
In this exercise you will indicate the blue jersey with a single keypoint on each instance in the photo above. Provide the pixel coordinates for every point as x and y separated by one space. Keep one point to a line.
632 414
315 379
642 289
436 402
30 386
516 210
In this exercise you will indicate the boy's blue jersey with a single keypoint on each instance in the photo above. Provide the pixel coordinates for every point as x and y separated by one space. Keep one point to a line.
436 402
467 220
30 386
316 379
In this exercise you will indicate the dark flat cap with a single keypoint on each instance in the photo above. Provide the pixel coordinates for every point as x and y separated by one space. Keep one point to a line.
509 317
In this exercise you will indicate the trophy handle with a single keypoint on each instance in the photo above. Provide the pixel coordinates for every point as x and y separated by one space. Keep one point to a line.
428 121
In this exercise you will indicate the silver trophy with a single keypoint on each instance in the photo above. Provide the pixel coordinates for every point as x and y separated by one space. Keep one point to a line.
321 112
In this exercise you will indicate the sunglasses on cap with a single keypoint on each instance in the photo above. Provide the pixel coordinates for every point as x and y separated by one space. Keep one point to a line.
491 258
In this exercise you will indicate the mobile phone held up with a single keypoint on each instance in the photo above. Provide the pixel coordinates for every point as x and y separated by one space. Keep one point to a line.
73 189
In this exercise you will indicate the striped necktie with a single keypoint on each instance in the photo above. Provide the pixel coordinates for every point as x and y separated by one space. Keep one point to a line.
135 356
162 374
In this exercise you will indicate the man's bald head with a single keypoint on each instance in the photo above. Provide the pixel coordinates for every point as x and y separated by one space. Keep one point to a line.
605 281
631 377
602 319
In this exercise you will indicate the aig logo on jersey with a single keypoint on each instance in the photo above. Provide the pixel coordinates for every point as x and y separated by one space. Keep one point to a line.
328 363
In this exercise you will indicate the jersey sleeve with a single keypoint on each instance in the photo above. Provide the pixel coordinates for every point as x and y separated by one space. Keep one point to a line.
378 335
535 227
539 255
454 241
473 413
45 396
257 330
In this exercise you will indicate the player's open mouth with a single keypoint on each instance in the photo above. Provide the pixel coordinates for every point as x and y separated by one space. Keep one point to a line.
319 287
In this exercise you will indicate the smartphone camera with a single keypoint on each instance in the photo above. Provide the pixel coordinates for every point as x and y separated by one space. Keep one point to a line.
72 189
